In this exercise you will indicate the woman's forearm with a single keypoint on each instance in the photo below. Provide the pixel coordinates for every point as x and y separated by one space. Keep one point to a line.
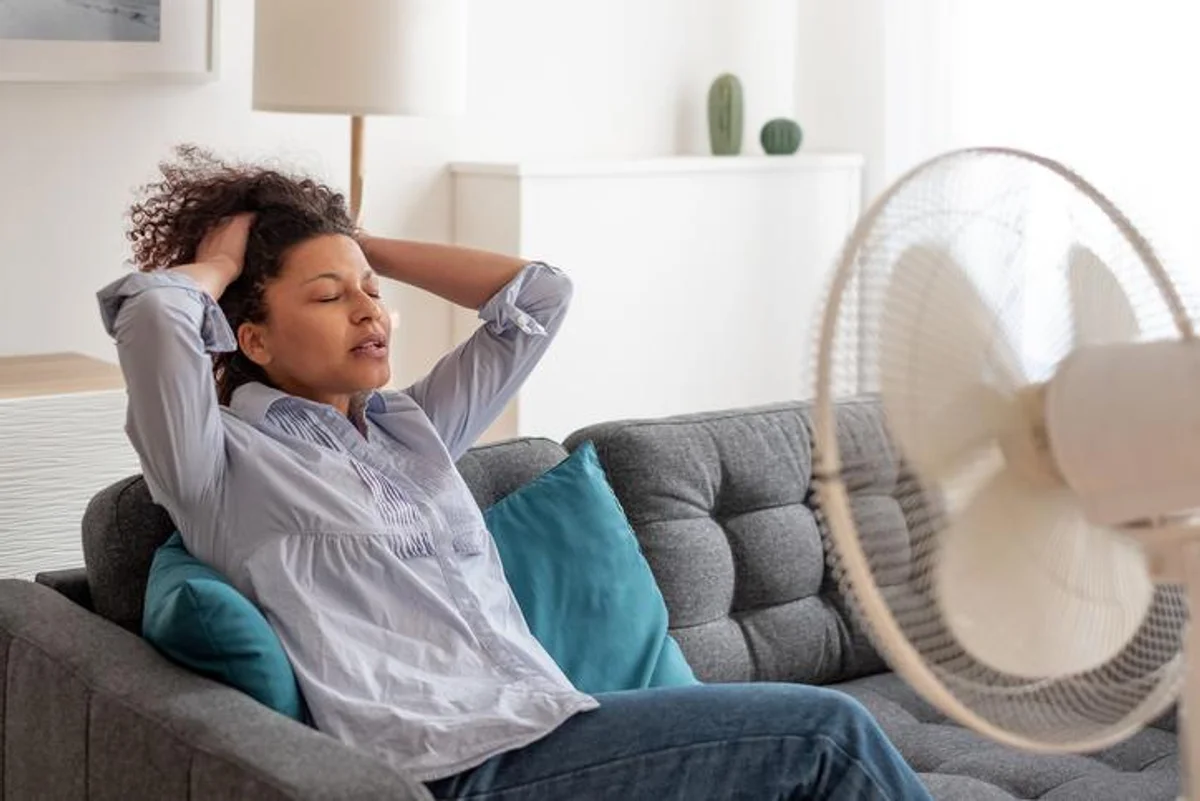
213 275
464 276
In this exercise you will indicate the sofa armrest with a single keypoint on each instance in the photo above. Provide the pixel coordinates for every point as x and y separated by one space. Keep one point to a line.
93 711
72 583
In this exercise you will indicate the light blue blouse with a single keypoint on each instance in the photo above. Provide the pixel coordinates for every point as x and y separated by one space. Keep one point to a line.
368 555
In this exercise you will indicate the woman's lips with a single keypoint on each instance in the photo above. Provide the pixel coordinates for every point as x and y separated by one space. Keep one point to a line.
371 350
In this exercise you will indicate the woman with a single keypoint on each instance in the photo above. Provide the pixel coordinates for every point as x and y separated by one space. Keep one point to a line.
337 508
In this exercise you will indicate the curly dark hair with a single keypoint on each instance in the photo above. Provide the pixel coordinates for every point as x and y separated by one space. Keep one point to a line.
196 191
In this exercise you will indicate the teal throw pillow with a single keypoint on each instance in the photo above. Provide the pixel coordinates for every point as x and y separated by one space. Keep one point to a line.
196 617
581 580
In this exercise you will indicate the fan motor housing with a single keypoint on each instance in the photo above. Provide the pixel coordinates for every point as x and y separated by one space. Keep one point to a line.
1123 422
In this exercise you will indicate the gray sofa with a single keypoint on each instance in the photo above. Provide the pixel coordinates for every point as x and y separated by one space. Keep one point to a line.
721 503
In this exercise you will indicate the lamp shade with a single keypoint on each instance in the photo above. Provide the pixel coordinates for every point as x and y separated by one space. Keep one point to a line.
360 57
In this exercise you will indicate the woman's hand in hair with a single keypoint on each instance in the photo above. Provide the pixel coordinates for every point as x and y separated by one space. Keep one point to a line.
220 255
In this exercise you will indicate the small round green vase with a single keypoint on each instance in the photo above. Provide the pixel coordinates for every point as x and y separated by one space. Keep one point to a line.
781 137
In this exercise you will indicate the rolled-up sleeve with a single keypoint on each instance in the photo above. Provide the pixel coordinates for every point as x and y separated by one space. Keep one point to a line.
469 387
165 327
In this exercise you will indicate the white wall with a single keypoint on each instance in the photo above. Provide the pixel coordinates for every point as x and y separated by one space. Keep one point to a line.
840 80
871 76
1102 85
1118 108
584 78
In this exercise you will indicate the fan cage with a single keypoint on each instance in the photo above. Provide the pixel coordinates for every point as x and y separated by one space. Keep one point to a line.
1009 218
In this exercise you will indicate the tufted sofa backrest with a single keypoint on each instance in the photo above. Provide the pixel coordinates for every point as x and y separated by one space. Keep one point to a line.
722 504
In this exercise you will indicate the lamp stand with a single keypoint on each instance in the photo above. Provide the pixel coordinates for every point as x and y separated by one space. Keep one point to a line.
356 170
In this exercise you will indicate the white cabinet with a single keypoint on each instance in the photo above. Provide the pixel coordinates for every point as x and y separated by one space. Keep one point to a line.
698 280
62 440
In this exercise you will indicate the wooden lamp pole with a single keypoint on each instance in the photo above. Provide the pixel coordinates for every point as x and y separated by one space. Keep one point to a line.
356 168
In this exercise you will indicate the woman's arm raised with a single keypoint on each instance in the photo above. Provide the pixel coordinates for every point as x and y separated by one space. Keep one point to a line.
522 306
463 276
165 323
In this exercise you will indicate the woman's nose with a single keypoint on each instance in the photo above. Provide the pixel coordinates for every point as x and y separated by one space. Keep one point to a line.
367 308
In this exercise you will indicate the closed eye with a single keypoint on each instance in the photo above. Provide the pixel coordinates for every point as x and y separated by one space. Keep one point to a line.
333 298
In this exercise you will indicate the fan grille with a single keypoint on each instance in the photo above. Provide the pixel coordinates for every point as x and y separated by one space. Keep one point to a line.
1008 218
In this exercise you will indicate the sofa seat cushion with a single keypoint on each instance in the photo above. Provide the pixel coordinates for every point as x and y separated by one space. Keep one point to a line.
957 763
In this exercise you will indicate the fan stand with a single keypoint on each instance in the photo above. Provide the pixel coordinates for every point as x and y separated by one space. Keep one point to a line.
1189 724
1173 547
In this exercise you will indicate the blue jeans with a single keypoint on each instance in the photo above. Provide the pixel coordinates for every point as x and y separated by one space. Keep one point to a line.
751 742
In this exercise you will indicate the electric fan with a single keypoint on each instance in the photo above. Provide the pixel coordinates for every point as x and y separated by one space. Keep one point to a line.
1039 379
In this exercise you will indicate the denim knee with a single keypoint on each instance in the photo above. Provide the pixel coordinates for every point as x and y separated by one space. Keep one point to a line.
842 705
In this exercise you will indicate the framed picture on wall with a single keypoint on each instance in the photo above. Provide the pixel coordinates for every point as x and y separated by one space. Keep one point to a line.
107 40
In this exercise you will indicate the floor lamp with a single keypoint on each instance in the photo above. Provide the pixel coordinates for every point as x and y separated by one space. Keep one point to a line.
360 57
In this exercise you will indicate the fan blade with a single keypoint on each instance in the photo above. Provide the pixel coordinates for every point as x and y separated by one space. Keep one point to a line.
1100 309
1031 589
947 374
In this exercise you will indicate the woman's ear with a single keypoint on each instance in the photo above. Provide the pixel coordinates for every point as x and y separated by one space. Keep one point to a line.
251 339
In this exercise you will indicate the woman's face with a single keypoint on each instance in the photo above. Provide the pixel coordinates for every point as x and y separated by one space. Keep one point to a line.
327 332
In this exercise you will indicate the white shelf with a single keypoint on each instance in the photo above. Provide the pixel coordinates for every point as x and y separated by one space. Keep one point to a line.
665 164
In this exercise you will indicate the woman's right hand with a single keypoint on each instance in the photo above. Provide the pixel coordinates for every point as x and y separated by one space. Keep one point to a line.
221 254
